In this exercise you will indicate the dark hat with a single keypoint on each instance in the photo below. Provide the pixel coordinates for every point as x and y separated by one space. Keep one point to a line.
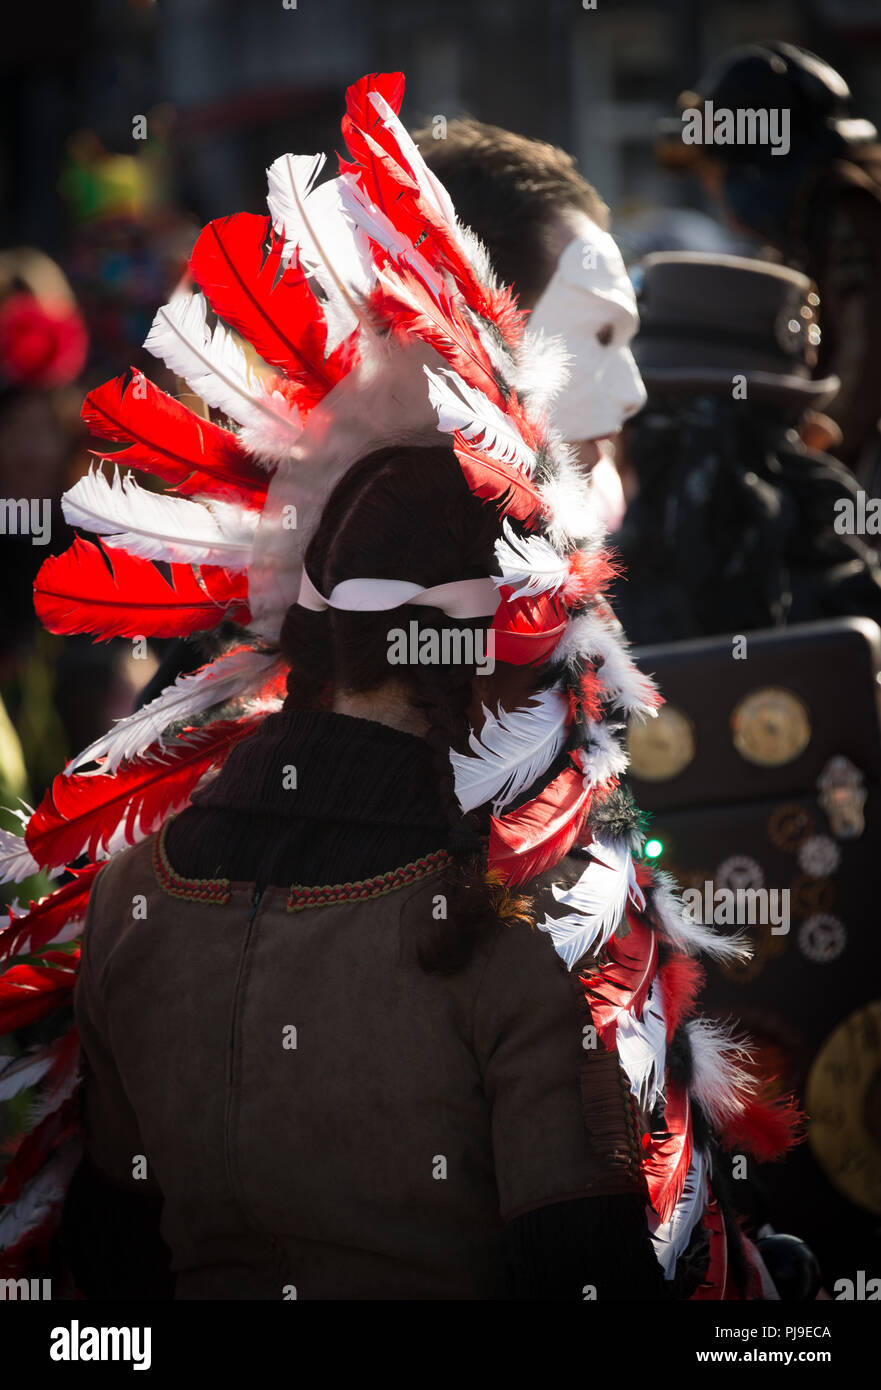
707 318
770 75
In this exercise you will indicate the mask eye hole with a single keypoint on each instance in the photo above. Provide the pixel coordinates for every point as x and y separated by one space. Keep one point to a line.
604 335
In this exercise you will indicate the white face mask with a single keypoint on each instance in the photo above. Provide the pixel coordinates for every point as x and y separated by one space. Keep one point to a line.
590 304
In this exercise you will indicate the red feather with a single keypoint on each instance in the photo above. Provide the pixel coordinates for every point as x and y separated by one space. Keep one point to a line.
362 117
77 592
682 980
587 575
406 306
765 1127
34 1148
623 983
34 929
489 477
668 1155
78 814
715 1279
388 180
278 314
538 834
171 442
29 992
526 630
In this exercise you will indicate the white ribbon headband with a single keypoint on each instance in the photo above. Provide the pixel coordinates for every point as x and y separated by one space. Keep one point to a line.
464 598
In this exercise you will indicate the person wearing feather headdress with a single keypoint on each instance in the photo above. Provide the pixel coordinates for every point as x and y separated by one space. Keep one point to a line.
376 997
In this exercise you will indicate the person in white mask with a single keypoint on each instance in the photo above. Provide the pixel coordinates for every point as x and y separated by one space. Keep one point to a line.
545 229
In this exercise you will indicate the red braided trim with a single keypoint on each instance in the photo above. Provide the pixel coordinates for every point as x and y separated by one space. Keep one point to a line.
325 894
200 890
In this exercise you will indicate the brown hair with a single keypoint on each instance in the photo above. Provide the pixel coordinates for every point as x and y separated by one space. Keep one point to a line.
406 513
512 192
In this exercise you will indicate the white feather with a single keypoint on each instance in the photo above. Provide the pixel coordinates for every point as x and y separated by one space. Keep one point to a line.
68 930
16 861
234 676
671 1238
601 755
529 564
511 751
215 366
158 526
591 636
541 369
26 1069
331 248
53 1095
719 1081
597 900
642 1048
430 185
372 222
571 516
688 935
478 419
41 1196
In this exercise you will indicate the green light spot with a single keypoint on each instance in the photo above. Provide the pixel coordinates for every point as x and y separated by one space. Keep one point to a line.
653 848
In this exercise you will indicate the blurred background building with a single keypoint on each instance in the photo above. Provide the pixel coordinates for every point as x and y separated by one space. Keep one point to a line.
238 84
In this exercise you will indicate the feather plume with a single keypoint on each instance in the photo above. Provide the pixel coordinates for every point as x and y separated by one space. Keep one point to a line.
512 751
173 443
541 369
406 306
668 1155
642 1047
215 366
592 637
722 1079
39 1202
373 223
571 516
765 1126
30 992
156 526
51 920
623 983
529 564
529 840
276 312
318 229
686 934
26 1070
597 901
122 595
681 981
715 1281
396 140
467 412
489 477
60 1080
237 675
670 1238
601 756
526 630
79 814
16 861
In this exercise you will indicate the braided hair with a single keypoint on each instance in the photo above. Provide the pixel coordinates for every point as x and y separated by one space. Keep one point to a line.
407 513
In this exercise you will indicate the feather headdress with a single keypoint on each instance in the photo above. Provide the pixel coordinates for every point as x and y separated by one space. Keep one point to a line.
360 312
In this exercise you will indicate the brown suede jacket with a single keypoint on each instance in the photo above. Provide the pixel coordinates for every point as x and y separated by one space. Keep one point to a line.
311 1112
